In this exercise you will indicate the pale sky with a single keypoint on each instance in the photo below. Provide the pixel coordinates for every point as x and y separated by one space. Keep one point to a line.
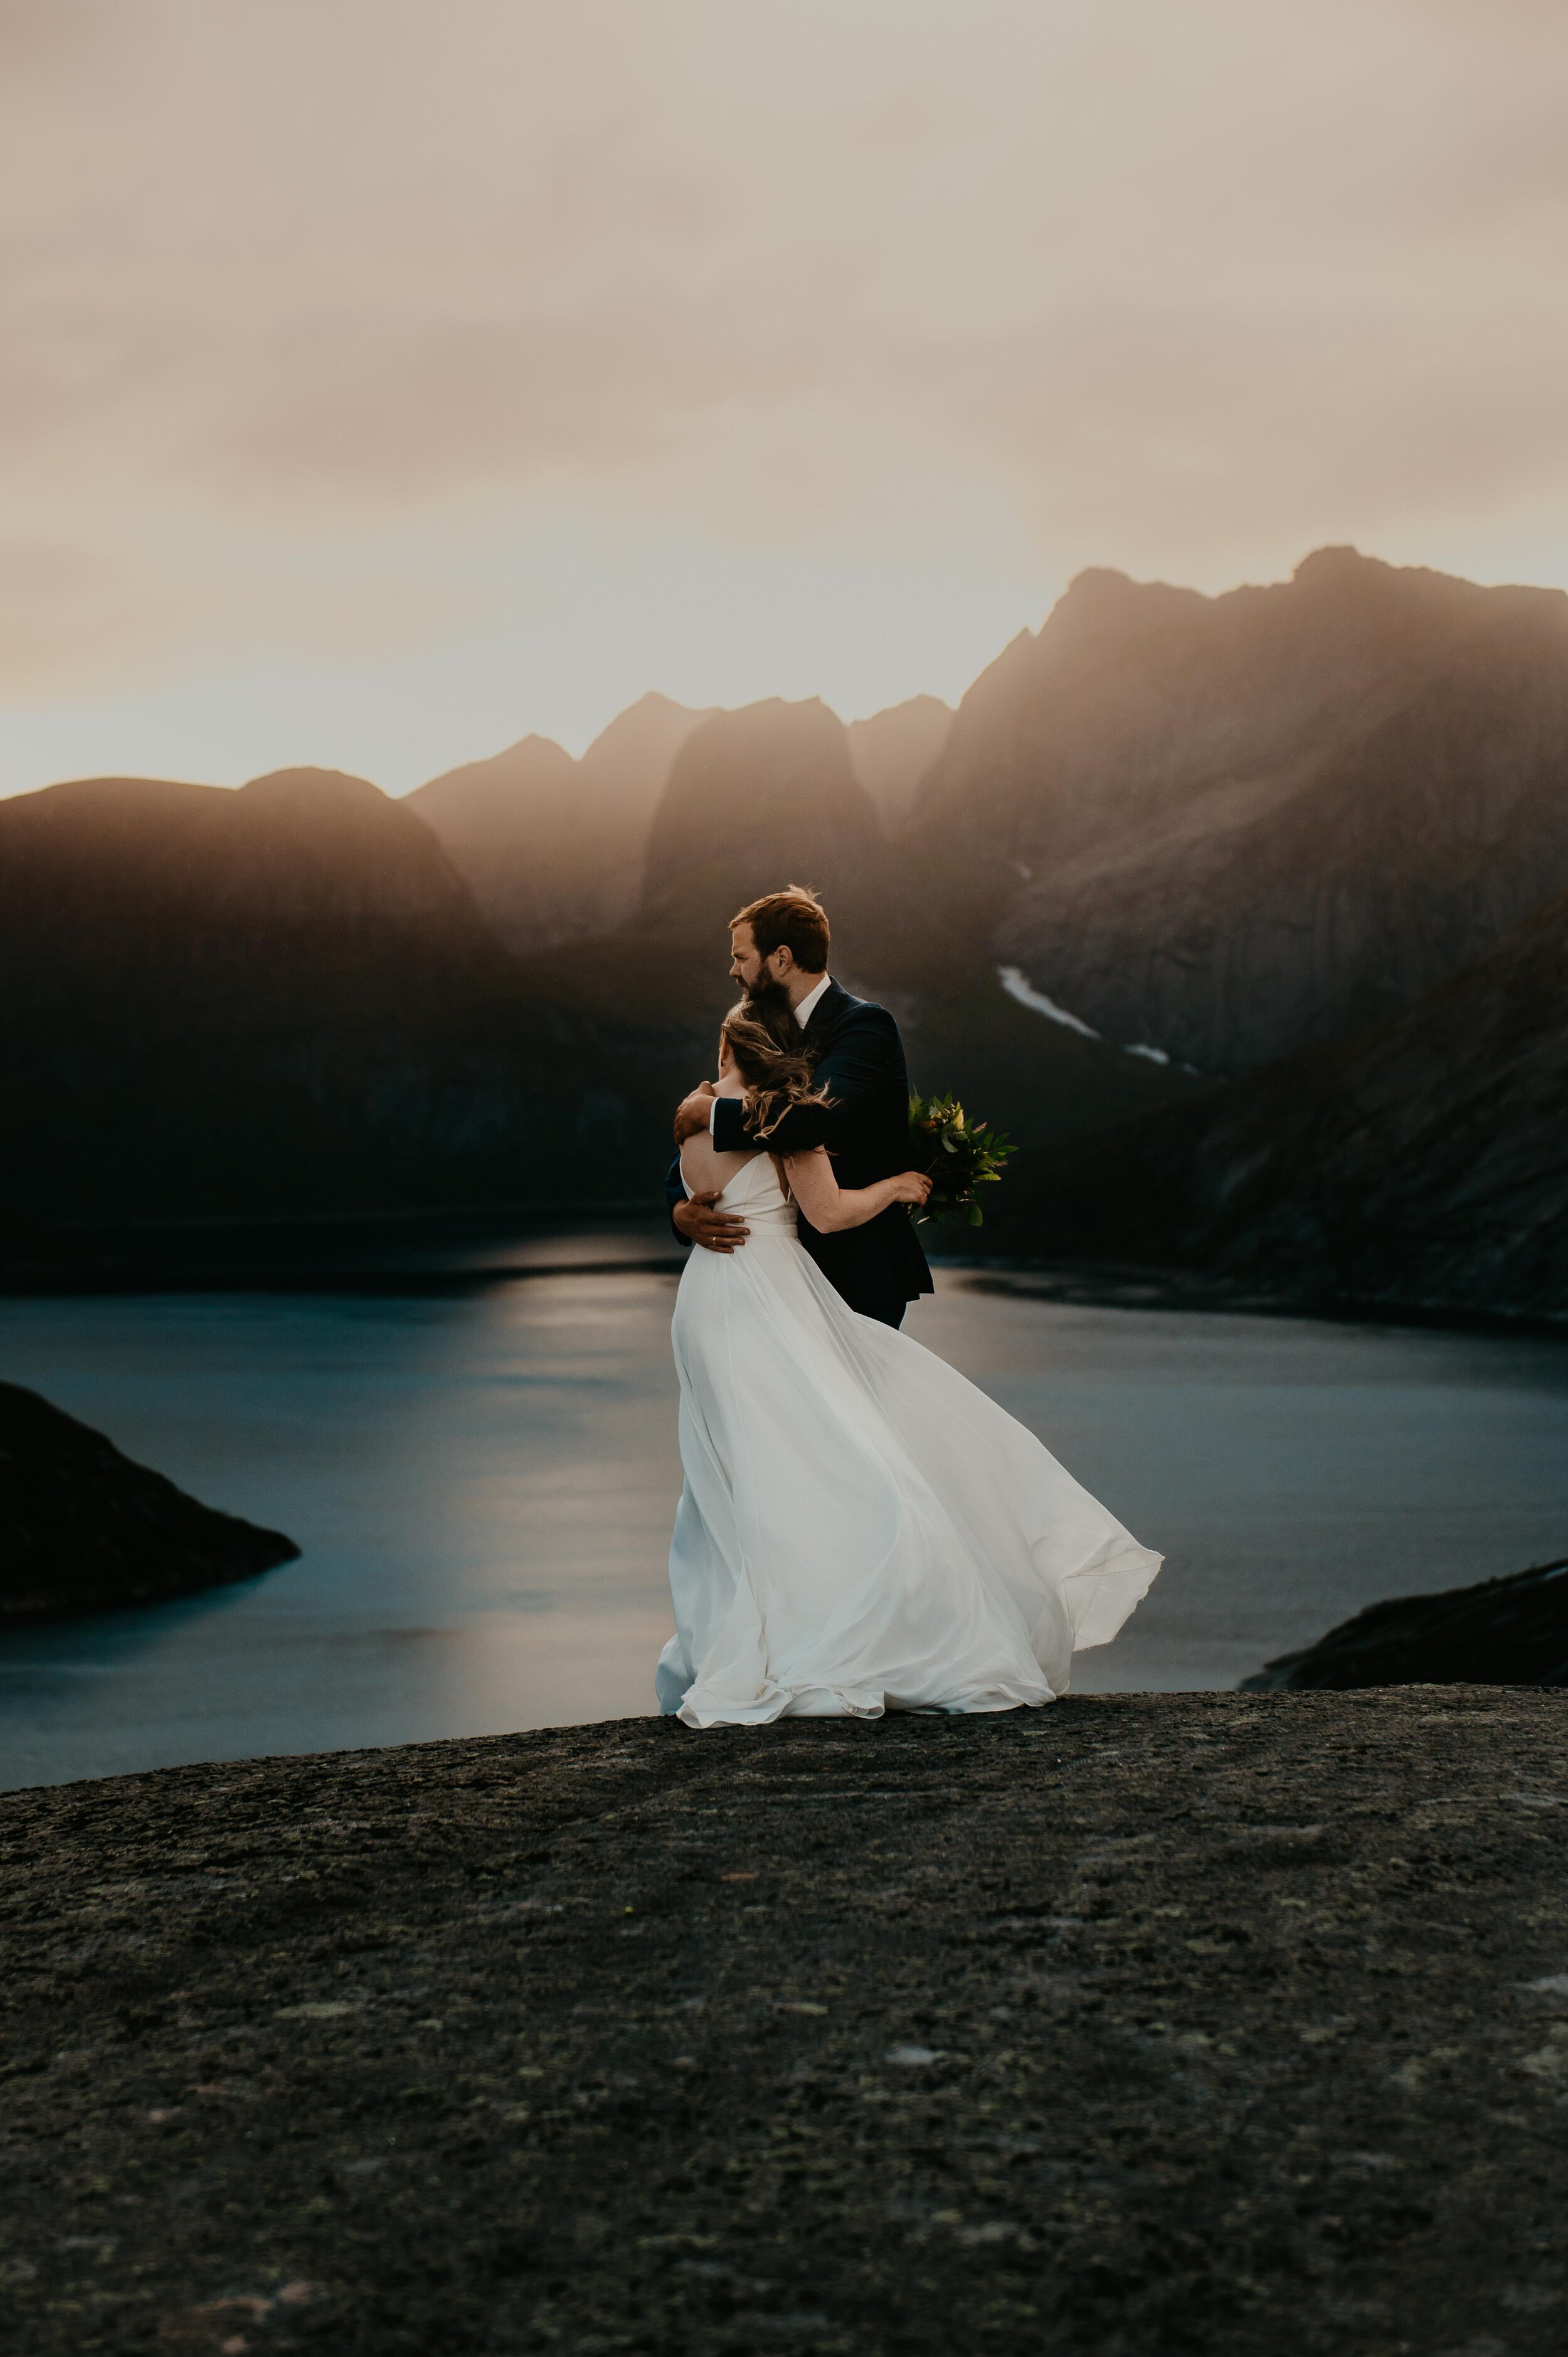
382 379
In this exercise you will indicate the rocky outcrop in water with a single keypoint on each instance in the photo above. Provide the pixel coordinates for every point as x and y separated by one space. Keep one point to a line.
1503 1632
83 1529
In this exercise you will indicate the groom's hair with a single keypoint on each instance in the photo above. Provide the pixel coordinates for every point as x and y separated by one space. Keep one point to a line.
793 920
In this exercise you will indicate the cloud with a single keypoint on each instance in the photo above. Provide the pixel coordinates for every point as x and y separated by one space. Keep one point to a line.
331 324
59 604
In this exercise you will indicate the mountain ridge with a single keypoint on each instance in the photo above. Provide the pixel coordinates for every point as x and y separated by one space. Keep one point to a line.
1310 838
553 848
282 999
1230 826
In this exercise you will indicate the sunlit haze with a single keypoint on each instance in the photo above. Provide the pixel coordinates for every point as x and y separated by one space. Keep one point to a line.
383 381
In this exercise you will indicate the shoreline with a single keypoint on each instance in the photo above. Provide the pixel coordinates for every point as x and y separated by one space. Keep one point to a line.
352 1284
443 1270
1227 2022
1112 1286
457 1251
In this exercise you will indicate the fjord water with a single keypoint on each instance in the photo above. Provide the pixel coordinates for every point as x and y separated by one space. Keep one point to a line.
483 1486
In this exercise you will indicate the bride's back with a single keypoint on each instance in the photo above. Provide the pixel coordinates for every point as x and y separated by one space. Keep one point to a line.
748 1183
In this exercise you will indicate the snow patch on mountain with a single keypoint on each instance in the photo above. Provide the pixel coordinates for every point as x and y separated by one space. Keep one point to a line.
1016 983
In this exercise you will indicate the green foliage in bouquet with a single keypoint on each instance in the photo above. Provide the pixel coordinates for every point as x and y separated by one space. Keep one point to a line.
958 1154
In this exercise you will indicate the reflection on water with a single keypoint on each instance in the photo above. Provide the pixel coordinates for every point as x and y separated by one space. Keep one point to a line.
483 1487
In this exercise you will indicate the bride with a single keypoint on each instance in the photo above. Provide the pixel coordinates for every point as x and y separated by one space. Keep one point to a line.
860 1530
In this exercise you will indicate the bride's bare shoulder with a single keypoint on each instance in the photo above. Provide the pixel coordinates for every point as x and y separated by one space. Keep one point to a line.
704 1168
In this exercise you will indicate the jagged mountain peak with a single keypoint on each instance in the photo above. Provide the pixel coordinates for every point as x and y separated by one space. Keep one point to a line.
1230 826
552 848
758 797
502 782
533 752
628 761
1336 563
894 749
650 709
776 744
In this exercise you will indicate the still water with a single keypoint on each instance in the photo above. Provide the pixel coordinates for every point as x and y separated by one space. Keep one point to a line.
483 1488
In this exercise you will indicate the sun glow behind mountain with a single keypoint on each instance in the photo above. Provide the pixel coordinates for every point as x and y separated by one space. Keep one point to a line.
383 382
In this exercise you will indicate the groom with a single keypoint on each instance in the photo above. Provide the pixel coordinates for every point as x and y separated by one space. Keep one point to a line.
780 944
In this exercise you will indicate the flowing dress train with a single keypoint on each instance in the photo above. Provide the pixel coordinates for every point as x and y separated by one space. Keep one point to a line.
861 1528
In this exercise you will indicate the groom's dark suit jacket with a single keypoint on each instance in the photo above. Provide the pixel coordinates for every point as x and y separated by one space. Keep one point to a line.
859 1061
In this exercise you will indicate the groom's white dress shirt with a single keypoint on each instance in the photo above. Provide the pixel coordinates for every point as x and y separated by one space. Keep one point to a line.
803 1014
808 1007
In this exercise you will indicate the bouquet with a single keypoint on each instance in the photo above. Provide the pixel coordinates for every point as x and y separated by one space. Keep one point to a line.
956 1154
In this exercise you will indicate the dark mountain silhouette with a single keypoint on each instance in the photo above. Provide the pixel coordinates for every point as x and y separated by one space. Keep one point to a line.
757 799
893 751
767 796
1424 1163
553 848
167 884
1312 839
280 999
510 827
1234 826
627 764
1419 1165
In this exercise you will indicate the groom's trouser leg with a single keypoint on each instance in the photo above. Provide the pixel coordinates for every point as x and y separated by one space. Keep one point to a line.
887 1313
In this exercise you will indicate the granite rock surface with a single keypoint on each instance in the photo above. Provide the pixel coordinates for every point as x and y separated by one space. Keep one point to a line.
1146 2024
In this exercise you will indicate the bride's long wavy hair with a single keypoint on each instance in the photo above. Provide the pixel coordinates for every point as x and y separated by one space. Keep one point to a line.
770 1054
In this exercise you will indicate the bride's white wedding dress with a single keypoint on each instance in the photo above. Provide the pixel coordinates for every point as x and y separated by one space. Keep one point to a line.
860 1530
